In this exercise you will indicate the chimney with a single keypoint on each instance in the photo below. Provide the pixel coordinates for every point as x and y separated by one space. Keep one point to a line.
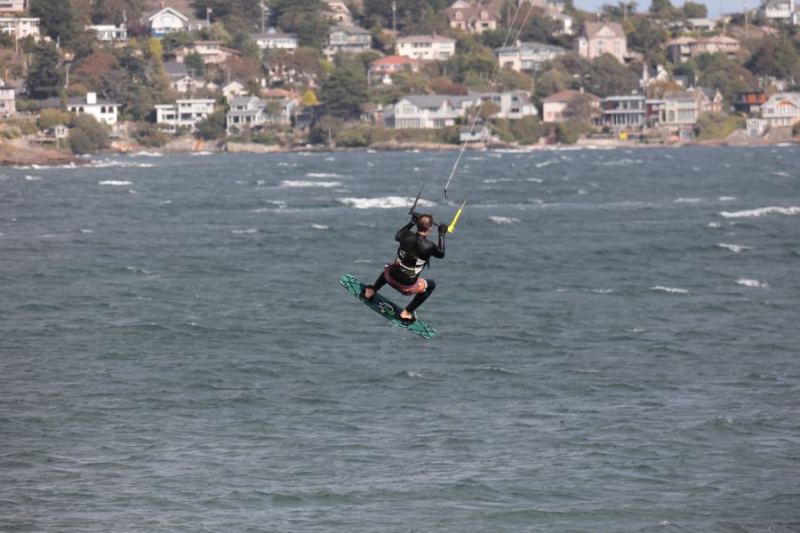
91 98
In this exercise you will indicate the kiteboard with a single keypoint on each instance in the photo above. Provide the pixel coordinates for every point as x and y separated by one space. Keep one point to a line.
386 308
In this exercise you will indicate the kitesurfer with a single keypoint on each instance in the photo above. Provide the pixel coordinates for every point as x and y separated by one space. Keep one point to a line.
413 254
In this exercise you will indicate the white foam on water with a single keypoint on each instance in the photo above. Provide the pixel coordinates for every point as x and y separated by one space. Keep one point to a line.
624 162
687 200
752 283
244 231
726 198
285 164
761 211
384 202
498 180
535 180
602 291
85 230
110 163
504 220
115 183
305 184
358 261
546 163
323 175
782 174
714 225
583 191
735 248
33 178
669 290
202 153
319 226
145 153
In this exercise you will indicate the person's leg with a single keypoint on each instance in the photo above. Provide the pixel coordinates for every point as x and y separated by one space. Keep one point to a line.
418 299
371 290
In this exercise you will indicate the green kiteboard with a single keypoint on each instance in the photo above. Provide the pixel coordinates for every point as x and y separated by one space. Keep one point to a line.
386 308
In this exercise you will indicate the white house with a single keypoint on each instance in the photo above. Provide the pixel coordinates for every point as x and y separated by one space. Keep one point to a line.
8 100
212 52
245 112
441 110
782 109
12 6
108 33
426 47
183 113
102 110
348 39
233 89
20 27
275 39
528 57
781 11
168 20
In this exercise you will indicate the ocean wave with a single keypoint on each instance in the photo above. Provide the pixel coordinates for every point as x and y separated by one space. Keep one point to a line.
669 290
726 198
504 220
752 283
383 202
772 210
86 231
323 175
782 174
735 248
535 180
33 178
202 153
546 163
714 225
498 180
306 184
687 200
145 153
320 226
111 163
244 231
115 183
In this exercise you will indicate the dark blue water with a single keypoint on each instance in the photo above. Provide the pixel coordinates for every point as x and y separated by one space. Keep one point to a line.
617 350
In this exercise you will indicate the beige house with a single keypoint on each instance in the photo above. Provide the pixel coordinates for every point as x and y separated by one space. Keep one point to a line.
598 38
554 106
472 17
12 6
683 49
683 108
426 47
782 109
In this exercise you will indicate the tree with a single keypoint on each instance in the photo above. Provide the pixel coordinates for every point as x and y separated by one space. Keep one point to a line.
87 134
50 118
238 15
694 10
195 64
648 39
776 57
580 107
344 90
620 11
662 9
58 19
303 18
212 127
90 70
309 99
45 77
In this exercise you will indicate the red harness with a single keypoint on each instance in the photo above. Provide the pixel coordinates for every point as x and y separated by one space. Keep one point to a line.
407 290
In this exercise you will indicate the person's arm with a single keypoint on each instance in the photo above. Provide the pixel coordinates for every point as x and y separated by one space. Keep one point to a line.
405 230
439 250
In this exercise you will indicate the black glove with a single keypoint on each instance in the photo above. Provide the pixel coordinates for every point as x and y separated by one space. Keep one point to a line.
442 228
415 217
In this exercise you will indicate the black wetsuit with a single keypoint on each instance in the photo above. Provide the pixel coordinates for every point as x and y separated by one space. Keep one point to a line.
413 254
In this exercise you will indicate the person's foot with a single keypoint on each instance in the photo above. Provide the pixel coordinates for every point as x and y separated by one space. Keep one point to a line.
368 293
407 316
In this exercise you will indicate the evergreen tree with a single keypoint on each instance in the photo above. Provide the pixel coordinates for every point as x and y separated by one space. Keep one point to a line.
45 77
694 10
303 18
58 19
344 90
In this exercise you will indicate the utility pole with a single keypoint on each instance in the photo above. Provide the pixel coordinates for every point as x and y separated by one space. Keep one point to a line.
264 12
394 17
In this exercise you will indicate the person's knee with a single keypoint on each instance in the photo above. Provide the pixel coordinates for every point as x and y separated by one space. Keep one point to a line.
431 285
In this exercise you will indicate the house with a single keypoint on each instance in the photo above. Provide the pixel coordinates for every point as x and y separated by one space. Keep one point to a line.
528 57
554 107
20 27
784 11
683 49
12 6
472 18
212 52
782 109
598 38
510 105
683 108
184 113
347 39
233 89
749 101
180 80
623 112
110 34
430 111
8 100
337 12
381 70
480 134
275 39
426 47
102 110
701 24
168 20
246 112
284 70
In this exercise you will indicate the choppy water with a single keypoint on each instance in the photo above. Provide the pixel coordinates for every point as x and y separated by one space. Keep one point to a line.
618 345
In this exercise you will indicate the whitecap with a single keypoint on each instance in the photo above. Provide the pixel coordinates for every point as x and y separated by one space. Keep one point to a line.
782 174
546 163
244 231
714 225
726 198
285 164
110 163
384 202
84 230
323 175
504 220
772 210
145 153
33 178
687 200
583 191
670 290
752 283
115 183
305 184
535 180
359 261
735 248
602 291
319 226
498 180
202 153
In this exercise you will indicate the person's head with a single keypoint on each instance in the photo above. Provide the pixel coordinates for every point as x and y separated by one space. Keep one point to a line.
424 224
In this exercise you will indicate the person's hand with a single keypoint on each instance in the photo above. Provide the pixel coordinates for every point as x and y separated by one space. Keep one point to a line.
442 228
415 217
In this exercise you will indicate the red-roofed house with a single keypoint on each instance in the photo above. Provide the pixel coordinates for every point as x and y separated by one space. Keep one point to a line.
381 70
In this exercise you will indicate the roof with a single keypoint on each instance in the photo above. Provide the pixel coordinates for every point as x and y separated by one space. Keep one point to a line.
351 29
591 29
394 60
530 46
473 12
272 34
152 14
793 98
719 39
435 101
565 96
173 69
624 98
55 102
425 38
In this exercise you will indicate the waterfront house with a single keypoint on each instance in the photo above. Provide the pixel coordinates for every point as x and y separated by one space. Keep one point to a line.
12 6
20 27
478 134
381 70
510 105
246 112
683 49
103 111
274 39
623 112
185 113
109 34
8 100
426 47
701 24
598 38
472 18
749 101
528 57
683 108
554 107
347 38
430 111
782 109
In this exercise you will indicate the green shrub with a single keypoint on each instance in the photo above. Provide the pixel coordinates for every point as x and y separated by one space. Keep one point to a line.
712 126
570 131
150 135
87 135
